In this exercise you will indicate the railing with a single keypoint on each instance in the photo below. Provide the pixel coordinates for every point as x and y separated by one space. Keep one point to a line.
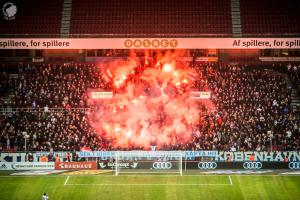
28 35
162 35
37 110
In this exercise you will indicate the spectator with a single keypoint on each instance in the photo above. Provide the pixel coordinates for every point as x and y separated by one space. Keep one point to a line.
251 109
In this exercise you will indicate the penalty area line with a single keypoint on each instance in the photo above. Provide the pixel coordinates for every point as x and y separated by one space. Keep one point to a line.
67 179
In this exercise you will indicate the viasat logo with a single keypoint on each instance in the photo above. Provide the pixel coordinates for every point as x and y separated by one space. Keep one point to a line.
9 11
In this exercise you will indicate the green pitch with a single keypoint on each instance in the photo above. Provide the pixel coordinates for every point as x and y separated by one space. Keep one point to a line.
139 187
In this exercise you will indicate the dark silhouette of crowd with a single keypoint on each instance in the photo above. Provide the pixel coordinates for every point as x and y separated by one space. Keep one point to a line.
250 108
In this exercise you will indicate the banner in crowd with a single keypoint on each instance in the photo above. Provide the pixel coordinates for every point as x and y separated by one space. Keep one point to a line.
96 154
12 157
101 95
149 43
62 154
23 157
76 165
220 156
111 154
199 95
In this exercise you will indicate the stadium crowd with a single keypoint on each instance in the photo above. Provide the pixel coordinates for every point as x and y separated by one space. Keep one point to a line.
294 73
251 109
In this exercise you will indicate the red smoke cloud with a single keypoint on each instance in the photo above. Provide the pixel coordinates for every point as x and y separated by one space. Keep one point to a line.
150 104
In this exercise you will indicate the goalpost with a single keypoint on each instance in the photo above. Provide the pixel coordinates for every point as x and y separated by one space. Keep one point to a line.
148 162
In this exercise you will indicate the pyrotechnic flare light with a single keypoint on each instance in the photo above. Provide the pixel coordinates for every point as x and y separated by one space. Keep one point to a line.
185 81
167 68
129 133
148 107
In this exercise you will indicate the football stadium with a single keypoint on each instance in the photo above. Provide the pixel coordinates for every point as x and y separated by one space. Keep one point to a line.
139 99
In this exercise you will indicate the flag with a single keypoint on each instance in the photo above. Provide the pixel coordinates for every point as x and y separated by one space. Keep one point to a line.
107 75
192 75
85 148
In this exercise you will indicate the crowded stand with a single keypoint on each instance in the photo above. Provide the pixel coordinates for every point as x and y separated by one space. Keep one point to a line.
48 104
130 99
294 73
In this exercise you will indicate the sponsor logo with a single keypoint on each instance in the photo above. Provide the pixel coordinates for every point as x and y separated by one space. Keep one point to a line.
9 11
71 165
294 165
162 165
148 43
252 165
75 165
102 165
261 156
3 166
207 165
120 165
134 165
34 165
6 166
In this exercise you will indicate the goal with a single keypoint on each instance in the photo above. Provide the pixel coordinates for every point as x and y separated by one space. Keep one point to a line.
148 162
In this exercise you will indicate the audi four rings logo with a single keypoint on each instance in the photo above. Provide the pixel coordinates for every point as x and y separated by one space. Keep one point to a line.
294 165
207 165
252 165
162 165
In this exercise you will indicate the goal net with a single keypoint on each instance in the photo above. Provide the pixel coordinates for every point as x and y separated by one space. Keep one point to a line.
148 162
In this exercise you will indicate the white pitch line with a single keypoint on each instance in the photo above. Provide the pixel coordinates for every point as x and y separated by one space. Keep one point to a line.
67 180
96 175
150 184
230 180
166 173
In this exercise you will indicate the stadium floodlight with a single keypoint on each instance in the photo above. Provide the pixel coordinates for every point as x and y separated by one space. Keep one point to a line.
148 162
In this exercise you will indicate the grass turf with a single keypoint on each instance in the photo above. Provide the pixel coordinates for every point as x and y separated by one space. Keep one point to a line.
150 187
